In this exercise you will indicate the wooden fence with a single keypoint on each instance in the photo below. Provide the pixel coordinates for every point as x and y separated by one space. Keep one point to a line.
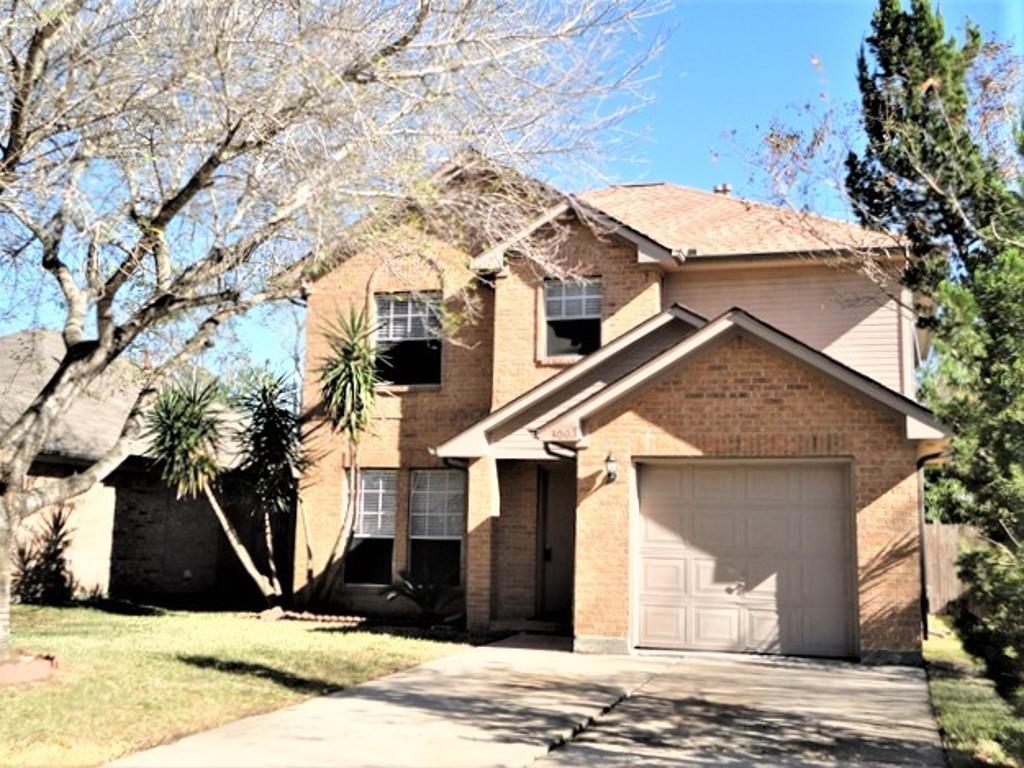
942 542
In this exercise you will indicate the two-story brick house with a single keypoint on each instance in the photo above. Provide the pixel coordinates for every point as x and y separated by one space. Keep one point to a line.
708 441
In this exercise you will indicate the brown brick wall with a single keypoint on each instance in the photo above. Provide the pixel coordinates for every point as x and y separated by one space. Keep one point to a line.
744 399
504 327
409 420
516 544
630 296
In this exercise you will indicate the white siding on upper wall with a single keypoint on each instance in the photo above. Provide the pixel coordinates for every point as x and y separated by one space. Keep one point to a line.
841 312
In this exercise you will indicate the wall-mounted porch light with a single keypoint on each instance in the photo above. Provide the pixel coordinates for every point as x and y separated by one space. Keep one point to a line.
611 469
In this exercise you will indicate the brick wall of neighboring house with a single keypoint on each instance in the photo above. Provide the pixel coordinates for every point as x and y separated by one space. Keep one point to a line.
630 296
744 399
170 550
409 420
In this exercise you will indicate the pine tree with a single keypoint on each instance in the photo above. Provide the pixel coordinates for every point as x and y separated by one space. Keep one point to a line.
925 173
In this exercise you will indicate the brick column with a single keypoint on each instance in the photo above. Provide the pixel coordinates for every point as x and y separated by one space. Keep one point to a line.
481 511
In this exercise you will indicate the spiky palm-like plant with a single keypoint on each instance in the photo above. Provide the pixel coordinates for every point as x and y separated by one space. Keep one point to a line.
271 451
348 389
185 430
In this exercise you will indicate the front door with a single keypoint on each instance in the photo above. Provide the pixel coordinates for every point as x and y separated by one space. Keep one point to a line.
556 525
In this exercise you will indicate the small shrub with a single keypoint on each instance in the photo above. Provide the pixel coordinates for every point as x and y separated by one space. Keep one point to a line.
41 572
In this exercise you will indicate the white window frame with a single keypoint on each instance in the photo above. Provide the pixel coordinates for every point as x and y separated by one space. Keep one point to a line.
561 295
384 527
453 491
420 306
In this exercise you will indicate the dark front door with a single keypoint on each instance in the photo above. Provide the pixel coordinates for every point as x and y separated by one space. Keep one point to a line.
555 536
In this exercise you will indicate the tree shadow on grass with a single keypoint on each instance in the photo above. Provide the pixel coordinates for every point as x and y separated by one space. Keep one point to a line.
311 685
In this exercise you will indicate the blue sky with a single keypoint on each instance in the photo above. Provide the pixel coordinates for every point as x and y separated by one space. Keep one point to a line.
731 66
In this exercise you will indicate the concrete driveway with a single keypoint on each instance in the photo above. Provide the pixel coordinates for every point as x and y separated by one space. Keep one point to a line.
524 702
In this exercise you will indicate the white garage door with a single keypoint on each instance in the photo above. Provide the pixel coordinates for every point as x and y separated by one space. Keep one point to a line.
746 557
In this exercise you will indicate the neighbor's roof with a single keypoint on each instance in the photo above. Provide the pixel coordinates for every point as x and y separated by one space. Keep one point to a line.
695 223
90 428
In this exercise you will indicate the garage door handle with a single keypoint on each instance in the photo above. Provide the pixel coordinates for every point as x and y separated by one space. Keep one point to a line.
738 587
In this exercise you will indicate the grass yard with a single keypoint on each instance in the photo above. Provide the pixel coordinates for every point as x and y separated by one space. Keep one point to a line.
978 726
129 682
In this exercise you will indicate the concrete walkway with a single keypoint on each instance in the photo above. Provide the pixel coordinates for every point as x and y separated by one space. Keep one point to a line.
523 702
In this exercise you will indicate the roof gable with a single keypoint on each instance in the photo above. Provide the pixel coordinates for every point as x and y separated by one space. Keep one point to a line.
569 426
576 382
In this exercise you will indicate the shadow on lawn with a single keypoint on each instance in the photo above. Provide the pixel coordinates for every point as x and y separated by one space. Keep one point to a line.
263 672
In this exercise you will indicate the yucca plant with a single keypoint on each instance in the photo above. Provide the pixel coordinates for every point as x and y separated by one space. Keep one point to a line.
348 390
271 451
186 429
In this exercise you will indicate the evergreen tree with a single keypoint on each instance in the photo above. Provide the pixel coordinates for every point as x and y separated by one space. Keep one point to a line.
925 173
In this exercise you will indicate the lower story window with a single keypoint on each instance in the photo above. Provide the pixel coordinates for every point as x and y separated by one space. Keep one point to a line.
437 513
373 536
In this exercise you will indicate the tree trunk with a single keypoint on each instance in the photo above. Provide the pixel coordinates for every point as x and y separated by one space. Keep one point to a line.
6 569
264 584
268 536
344 538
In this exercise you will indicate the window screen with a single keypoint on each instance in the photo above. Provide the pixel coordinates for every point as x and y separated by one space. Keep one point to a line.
572 311
437 511
408 343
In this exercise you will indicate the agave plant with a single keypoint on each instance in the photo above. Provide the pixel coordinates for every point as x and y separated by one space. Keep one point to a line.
186 429
433 599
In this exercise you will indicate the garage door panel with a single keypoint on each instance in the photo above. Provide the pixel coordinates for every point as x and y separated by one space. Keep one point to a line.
771 531
764 630
821 583
716 578
717 628
822 532
662 626
823 631
714 531
823 482
663 524
750 557
713 484
664 575
768 484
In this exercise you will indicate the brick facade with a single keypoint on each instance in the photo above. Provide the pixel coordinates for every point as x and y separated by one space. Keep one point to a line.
741 399
745 399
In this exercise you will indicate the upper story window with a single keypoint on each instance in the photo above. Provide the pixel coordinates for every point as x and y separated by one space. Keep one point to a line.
373 534
408 337
572 313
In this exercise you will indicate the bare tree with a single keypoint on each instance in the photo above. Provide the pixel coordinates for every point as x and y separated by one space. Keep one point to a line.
171 164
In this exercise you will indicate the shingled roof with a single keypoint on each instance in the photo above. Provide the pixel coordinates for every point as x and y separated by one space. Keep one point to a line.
695 223
92 425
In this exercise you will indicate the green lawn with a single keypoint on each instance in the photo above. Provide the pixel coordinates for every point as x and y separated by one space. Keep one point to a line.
978 726
127 682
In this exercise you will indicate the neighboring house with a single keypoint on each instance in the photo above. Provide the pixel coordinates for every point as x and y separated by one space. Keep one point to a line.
711 442
131 538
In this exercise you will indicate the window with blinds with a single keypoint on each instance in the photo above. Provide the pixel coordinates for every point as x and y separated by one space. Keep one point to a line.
572 315
408 337
437 522
373 535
